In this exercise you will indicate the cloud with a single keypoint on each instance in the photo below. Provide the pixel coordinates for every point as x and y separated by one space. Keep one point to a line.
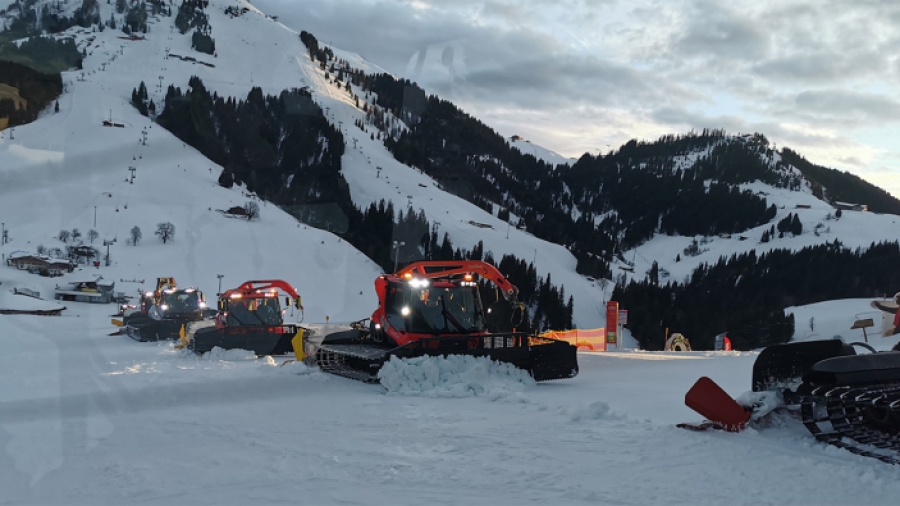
581 74
716 30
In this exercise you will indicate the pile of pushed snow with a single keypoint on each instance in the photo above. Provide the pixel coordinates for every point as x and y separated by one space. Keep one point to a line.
454 376
232 355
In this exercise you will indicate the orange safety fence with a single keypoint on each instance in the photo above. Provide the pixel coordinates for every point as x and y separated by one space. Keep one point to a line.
590 339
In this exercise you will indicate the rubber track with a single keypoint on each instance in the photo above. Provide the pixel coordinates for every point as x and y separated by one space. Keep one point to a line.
343 361
335 362
842 409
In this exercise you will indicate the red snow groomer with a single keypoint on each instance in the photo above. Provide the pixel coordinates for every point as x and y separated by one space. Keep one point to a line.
844 399
250 317
435 309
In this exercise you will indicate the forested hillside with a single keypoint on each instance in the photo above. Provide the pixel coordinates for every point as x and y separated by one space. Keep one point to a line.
745 295
283 149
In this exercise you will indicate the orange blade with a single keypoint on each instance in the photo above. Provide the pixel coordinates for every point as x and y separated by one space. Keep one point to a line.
708 399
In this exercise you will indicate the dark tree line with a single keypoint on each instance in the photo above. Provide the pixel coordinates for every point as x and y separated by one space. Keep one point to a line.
191 14
42 54
141 101
745 295
37 89
315 52
281 147
834 185
51 16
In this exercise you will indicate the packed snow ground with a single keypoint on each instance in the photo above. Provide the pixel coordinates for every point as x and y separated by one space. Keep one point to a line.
87 418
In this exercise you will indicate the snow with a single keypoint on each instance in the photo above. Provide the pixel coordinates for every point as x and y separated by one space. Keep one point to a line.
88 418
540 152
221 354
93 419
835 317
16 302
454 376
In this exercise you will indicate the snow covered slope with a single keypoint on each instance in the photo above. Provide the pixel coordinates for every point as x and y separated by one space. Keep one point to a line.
251 50
539 152
854 229
66 168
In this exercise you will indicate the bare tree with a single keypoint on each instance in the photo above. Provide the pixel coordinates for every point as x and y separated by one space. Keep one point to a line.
41 249
93 234
135 235
165 231
64 235
76 234
251 209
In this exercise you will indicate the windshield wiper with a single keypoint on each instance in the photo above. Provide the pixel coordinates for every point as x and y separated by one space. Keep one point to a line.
449 317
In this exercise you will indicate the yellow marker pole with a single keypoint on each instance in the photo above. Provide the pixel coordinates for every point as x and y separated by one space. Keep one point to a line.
182 336
297 343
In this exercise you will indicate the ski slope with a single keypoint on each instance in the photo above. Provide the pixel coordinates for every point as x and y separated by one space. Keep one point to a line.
539 152
251 50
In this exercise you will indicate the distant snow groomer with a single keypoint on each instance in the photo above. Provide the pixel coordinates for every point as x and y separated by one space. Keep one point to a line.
434 308
166 314
250 317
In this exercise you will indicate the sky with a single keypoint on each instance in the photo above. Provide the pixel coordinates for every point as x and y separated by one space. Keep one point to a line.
587 75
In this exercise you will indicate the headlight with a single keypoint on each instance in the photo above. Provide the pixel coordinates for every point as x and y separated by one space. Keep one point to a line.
405 311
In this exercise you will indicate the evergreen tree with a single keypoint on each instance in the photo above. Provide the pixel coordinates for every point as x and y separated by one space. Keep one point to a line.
796 225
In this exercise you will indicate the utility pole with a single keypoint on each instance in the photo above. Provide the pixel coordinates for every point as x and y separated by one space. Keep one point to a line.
107 244
95 216
132 169
434 229
220 276
397 246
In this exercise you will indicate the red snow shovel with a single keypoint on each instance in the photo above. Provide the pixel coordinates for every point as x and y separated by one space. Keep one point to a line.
719 409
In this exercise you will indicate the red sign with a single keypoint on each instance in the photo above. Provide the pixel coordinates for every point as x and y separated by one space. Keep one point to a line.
612 321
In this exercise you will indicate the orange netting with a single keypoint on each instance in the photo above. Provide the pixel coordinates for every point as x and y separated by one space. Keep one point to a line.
591 339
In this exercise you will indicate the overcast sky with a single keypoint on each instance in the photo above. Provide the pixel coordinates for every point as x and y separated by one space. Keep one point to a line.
575 76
